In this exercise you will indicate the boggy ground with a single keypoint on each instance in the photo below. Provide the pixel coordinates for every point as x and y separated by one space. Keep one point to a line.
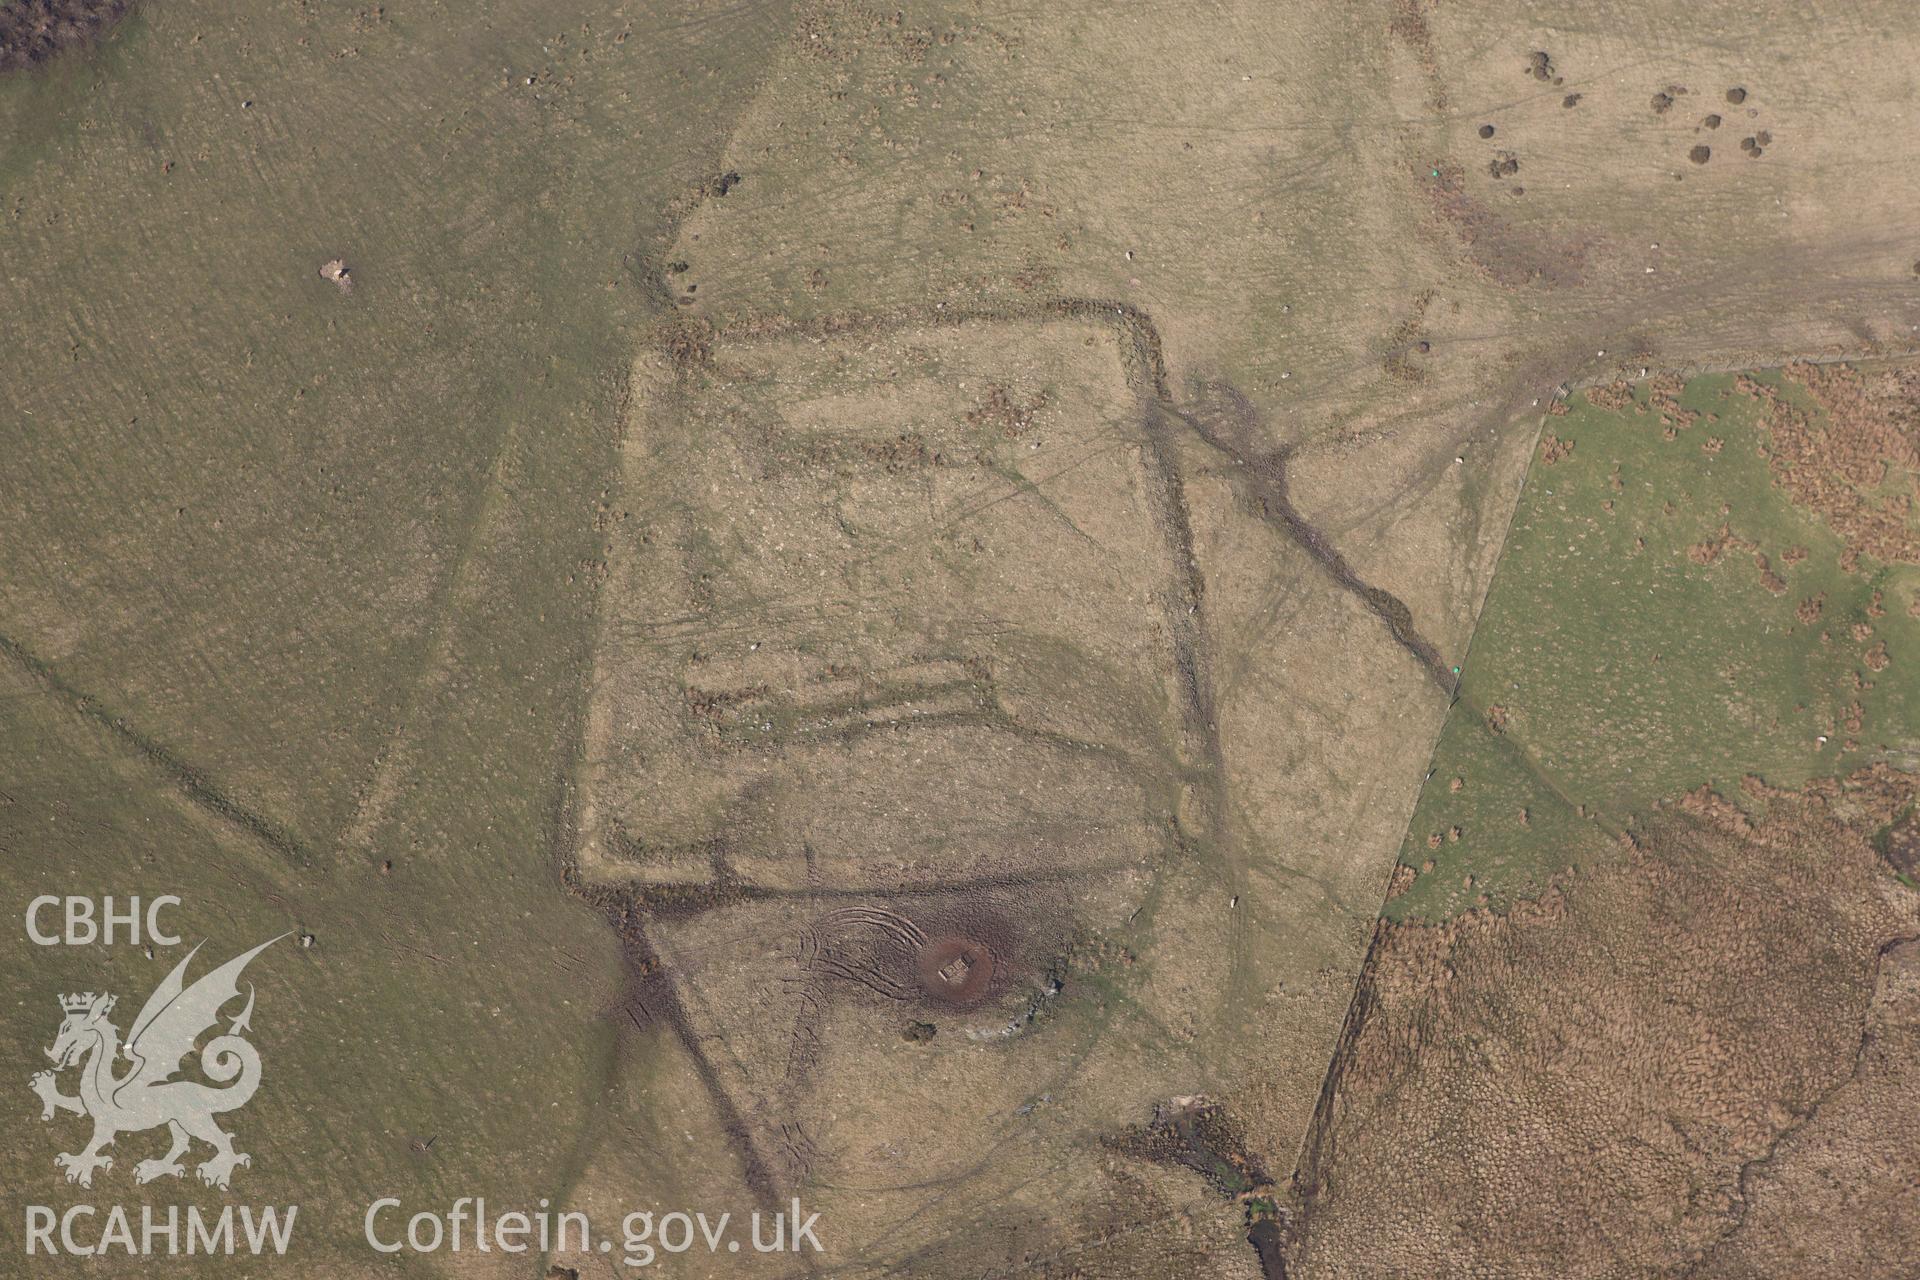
1688 1062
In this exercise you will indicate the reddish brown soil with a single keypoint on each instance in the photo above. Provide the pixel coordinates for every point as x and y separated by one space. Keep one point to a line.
1645 1071
1553 449
1840 1195
1858 468
954 970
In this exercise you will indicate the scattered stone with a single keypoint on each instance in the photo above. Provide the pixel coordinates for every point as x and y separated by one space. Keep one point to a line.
336 271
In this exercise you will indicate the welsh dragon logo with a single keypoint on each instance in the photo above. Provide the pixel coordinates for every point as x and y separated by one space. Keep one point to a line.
145 1097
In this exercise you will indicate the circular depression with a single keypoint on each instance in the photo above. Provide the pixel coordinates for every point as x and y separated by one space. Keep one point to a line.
954 969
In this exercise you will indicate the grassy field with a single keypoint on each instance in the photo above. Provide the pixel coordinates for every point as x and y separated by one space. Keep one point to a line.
291 572
1664 617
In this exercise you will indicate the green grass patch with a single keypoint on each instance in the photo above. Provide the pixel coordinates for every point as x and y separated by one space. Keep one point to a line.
1650 629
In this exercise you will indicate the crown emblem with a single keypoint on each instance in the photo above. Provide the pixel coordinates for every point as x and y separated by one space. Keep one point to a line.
176 1017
